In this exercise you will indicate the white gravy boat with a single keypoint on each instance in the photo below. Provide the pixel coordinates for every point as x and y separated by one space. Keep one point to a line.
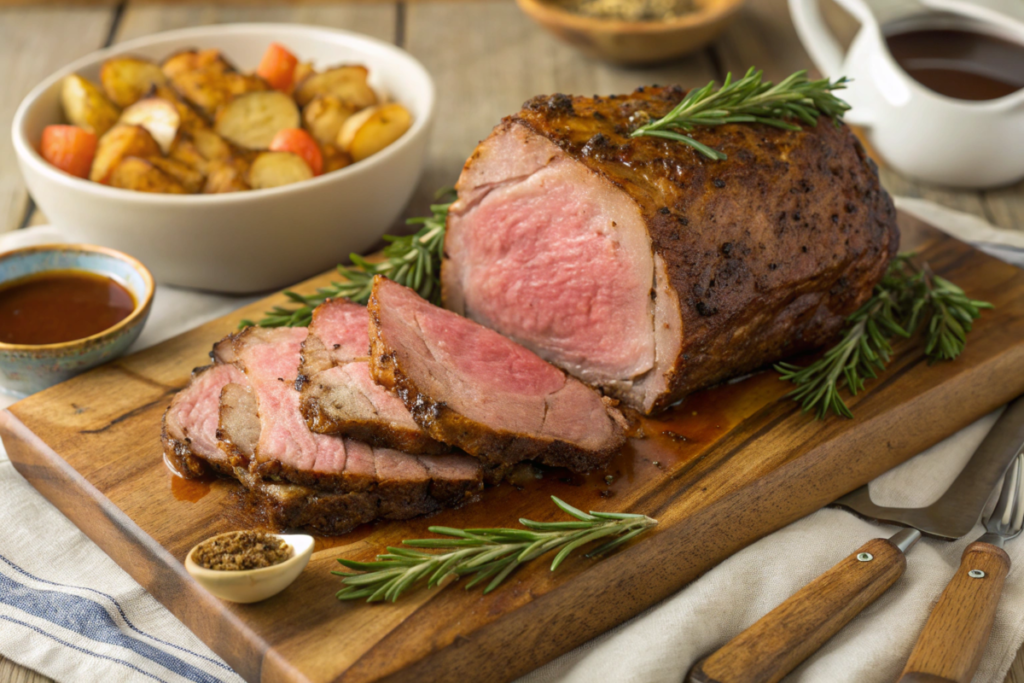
919 132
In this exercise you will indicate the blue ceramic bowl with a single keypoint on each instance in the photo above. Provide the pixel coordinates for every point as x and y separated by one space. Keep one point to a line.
27 368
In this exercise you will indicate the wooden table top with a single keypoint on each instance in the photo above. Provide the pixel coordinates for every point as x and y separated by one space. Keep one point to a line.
486 58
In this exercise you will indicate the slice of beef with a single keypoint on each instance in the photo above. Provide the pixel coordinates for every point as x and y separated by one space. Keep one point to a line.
190 423
404 485
648 270
470 387
338 394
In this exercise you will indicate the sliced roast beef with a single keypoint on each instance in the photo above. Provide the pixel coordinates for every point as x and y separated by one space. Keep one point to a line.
338 394
190 423
470 387
648 270
403 485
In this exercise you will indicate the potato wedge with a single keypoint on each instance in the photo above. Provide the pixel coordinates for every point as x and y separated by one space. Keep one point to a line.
126 80
133 173
303 70
192 60
324 116
251 121
211 146
373 129
158 116
274 169
226 177
190 118
210 88
347 83
119 142
334 158
86 106
185 152
189 177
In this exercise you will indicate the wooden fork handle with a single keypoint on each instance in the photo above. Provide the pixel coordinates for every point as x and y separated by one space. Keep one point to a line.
949 648
791 632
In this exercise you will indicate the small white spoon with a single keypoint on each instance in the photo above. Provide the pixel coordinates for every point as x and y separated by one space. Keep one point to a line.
253 585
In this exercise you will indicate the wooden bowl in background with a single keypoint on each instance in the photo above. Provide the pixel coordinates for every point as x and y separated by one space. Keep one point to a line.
634 43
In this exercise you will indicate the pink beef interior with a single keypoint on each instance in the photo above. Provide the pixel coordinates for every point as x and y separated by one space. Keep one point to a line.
540 250
271 363
343 327
197 408
486 377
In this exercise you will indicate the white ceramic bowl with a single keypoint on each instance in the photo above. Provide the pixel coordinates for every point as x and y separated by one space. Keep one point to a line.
253 585
245 241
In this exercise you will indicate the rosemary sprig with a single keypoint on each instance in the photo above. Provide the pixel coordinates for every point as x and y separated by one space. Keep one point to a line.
748 100
412 260
486 553
908 298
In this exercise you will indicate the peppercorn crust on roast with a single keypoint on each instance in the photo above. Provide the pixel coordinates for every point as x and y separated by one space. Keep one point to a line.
648 270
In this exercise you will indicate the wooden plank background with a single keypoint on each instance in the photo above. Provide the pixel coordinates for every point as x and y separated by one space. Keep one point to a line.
485 56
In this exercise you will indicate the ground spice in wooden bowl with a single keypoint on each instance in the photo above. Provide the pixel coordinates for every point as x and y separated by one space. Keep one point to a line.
628 10
241 550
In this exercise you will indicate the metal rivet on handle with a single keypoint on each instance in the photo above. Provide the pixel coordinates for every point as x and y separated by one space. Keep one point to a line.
976 574
865 557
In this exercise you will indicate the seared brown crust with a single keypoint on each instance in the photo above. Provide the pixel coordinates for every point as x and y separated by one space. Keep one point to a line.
287 506
769 250
498 449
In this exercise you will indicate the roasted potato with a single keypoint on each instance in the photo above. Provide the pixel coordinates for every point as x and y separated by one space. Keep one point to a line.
226 176
190 118
209 91
373 129
191 178
86 106
303 70
347 83
274 169
119 142
126 80
192 60
334 158
324 116
185 152
251 121
158 116
133 173
212 146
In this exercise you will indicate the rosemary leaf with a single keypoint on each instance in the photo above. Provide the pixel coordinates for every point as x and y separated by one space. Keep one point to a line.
409 260
487 554
909 298
748 100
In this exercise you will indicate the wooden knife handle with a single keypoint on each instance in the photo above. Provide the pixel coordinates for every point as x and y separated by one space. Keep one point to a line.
791 632
954 638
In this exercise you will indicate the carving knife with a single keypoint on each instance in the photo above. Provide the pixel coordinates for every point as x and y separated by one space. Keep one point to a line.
783 638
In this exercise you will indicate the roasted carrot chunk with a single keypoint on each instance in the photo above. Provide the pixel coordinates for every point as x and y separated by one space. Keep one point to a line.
301 143
69 148
278 67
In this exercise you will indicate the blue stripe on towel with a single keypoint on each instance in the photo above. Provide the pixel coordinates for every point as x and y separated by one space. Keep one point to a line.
79 649
124 616
91 620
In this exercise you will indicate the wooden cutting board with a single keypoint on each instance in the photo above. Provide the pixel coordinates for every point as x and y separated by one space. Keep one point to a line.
722 469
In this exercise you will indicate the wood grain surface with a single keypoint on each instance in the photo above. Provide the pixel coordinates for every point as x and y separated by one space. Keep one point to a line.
953 640
485 57
721 470
777 643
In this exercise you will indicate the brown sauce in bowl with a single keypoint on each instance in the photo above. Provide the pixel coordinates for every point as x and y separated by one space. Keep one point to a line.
960 64
60 306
